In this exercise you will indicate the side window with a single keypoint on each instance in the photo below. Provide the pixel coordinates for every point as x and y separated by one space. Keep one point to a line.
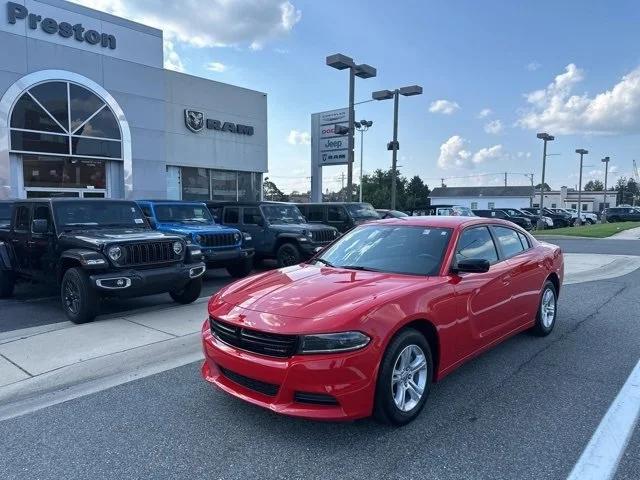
146 209
336 214
524 240
41 212
476 243
22 218
509 241
491 205
315 213
474 205
232 215
251 216
216 213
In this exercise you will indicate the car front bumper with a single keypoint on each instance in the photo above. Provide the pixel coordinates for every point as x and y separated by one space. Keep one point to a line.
348 378
131 282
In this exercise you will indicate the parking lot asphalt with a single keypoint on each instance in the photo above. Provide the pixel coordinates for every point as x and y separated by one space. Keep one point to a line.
524 410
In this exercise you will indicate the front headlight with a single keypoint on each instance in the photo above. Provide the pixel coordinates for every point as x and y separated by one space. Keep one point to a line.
333 342
236 237
309 234
247 237
198 239
177 248
114 253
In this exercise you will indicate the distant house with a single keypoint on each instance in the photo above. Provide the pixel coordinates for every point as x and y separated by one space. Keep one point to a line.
568 198
483 197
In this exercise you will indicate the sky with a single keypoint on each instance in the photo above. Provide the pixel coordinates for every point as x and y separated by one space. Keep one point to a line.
494 73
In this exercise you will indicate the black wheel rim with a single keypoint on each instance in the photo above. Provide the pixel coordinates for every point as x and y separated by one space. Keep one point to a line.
287 258
71 297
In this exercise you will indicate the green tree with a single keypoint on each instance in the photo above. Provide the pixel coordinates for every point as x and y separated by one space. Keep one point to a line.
594 186
417 193
272 192
547 188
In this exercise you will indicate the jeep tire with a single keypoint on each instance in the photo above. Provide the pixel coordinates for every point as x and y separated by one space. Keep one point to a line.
7 282
189 293
79 299
288 254
241 268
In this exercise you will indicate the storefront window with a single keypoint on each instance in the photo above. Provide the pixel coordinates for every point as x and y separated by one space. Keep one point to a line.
195 184
224 185
59 172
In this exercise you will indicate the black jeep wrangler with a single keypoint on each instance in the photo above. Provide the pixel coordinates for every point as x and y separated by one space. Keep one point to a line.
94 249
278 230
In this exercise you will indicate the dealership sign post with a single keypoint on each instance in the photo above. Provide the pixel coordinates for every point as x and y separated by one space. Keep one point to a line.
329 145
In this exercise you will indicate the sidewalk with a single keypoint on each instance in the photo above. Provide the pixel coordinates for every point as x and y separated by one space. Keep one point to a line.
46 365
631 234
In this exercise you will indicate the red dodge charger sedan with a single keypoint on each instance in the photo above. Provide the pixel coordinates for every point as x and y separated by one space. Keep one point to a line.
367 325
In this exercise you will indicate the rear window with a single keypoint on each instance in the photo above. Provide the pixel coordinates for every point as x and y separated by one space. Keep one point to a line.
509 241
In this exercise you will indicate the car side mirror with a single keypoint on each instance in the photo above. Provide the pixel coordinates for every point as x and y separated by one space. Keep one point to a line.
40 225
472 265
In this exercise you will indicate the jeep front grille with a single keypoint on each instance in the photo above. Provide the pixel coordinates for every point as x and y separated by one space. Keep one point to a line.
147 253
218 240
323 236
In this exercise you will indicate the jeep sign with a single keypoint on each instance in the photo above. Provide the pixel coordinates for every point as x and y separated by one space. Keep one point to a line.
16 11
327 146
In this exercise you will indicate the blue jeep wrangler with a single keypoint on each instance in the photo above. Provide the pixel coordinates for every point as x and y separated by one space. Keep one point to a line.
221 246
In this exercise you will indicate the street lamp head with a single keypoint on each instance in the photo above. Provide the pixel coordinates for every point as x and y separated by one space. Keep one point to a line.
546 137
582 151
382 95
369 123
411 90
340 61
605 159
365 71
357 124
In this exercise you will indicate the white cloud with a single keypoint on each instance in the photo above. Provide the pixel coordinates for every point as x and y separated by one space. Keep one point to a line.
172 60
299 138
216 67
455 152
523 155
494 127
445 107
558 110
485 112
218 23
533 66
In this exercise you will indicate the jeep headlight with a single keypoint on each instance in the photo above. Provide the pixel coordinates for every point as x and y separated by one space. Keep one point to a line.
114 253
333 342
198 239
236 237
247 237
177 248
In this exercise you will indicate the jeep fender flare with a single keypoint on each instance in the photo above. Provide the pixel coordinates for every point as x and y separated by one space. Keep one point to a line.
79 257
286 237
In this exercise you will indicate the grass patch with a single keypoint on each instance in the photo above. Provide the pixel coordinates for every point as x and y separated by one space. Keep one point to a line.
599 230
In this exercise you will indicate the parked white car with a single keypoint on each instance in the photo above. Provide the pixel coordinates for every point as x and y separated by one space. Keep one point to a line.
584 216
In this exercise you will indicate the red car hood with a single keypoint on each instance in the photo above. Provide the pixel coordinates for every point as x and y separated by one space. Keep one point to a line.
311 293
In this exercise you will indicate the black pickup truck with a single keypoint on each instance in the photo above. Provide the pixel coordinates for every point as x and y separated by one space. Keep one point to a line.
93 249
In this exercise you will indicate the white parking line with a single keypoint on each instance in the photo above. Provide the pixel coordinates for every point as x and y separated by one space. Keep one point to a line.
600 459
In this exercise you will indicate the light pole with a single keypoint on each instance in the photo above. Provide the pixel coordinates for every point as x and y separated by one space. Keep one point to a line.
341 62
362 126
546 138
605 160
394 145
582 152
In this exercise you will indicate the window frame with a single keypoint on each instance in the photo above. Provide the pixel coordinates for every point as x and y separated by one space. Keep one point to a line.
454 260
259 214
224 215
16 211
499 246
49 218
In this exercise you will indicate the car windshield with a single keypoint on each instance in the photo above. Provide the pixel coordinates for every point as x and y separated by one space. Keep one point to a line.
183 213
83 214
282 214
407 250
361 210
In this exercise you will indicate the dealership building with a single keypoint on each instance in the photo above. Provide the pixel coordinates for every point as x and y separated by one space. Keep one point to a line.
87 110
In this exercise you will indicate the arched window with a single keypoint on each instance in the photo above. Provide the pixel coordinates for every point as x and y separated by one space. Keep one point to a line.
64 119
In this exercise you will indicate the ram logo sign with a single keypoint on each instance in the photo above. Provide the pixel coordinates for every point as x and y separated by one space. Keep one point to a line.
196 122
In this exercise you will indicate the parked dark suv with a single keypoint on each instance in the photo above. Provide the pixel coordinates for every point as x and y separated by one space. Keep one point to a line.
278 230
94 249
622 214
519 220
559 220
341 215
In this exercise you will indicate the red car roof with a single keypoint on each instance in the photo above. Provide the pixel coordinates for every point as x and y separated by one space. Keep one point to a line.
440 221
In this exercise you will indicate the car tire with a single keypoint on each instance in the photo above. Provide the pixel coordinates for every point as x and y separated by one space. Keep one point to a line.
287 255
547 310
590 221
240 269
190 293
7 283
613 219
397 399
79 299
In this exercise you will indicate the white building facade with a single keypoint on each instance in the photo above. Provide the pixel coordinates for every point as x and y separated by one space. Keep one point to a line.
482 198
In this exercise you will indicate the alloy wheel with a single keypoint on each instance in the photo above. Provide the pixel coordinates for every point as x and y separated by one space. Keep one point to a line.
548 309
72 297
409 378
